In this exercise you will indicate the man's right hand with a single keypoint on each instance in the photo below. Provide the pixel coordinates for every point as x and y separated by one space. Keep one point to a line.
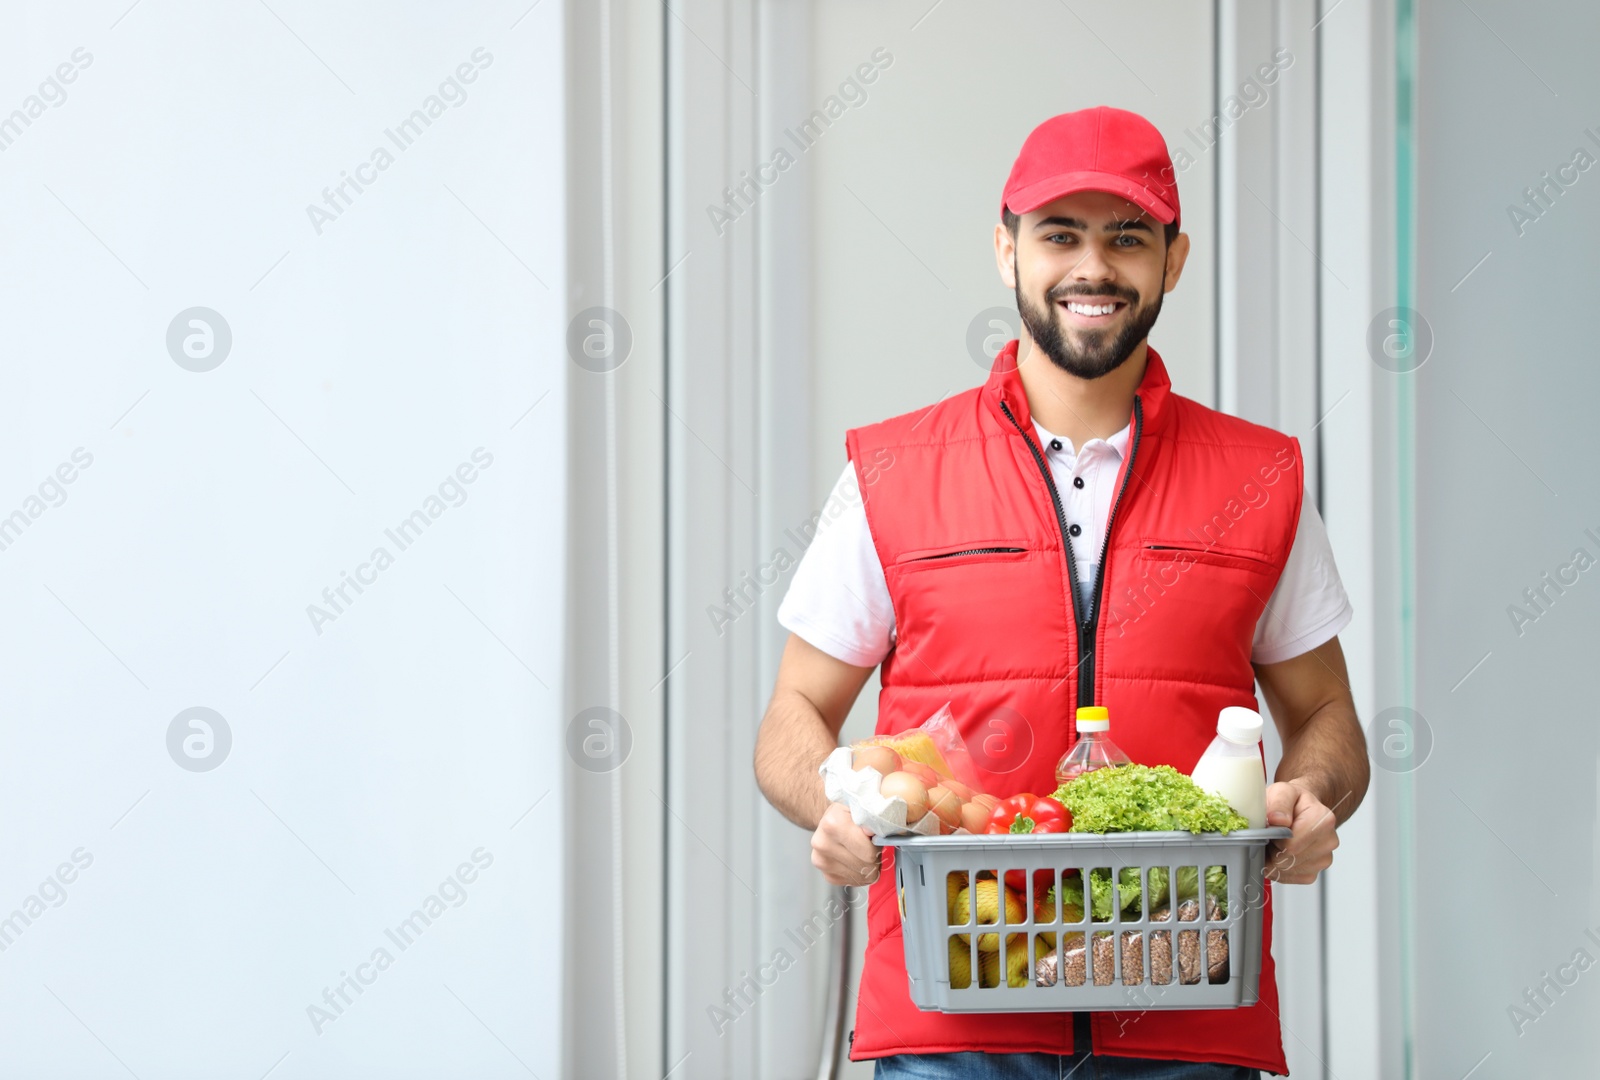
843 850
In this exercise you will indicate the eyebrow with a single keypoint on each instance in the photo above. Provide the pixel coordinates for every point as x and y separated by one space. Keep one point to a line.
1130 225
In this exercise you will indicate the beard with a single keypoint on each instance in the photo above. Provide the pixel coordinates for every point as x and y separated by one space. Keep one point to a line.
1087 354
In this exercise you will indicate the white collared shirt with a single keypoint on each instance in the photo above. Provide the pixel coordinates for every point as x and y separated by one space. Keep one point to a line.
839 601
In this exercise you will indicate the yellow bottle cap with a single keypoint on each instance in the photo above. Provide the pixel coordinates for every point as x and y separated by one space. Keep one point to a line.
1094 718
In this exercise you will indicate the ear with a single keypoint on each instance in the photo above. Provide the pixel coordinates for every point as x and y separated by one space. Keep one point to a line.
1177 255
1005 253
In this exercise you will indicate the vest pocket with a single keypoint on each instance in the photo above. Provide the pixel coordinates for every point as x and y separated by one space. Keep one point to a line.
1183 554
926 558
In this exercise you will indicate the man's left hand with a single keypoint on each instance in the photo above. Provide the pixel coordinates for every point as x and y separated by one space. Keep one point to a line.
1299 859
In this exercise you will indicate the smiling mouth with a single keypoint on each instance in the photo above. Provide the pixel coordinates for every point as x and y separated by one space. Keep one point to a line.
1098 313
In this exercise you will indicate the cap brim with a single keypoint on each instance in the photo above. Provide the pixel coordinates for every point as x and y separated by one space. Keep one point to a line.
1052 188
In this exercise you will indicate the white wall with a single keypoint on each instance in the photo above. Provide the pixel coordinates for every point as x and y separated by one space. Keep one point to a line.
368 760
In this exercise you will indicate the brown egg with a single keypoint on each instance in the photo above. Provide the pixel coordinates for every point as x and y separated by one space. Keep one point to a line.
899 785
881 758
962 791
974 817
944 803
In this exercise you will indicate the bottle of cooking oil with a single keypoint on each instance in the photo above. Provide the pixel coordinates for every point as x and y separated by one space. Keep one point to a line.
1094 748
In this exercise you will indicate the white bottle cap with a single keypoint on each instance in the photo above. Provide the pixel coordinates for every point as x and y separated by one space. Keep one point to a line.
1240 725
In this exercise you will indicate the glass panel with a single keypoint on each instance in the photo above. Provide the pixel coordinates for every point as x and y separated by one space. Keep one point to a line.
1492 749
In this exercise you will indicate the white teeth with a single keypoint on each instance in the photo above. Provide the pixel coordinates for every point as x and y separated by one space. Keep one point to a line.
1085 309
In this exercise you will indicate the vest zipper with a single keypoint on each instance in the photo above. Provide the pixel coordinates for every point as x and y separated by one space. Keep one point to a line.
1087 627
969 551
1105 548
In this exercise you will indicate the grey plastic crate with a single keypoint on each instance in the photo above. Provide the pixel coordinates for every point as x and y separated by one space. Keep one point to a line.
922 866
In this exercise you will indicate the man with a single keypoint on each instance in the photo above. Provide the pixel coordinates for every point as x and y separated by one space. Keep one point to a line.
1070 533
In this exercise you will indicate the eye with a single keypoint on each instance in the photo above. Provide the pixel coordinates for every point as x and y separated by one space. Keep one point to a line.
1053 237
1129 236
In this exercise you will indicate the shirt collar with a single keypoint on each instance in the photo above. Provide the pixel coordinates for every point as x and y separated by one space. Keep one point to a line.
1117 442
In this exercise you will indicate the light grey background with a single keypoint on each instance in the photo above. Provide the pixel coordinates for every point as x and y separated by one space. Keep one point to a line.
367 363
1506 817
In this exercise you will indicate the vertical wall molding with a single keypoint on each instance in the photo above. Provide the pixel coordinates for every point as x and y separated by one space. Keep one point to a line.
1267 360
1360 434
791 1021
715 995
614 898
738 483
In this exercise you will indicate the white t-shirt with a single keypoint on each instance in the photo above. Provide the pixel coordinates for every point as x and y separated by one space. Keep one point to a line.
839 602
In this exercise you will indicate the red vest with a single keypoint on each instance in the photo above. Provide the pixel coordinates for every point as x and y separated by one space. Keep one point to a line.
1198 536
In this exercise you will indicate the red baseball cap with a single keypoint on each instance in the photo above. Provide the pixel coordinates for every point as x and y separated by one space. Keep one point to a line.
1098 149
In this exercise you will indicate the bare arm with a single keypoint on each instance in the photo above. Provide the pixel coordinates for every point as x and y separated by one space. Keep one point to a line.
1324 772
810 700
1323 743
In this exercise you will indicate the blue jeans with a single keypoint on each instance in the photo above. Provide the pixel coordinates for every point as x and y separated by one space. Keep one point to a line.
980 1066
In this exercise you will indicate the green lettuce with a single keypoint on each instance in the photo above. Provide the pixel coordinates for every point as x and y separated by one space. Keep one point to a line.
1189 885
1144 798
1128 882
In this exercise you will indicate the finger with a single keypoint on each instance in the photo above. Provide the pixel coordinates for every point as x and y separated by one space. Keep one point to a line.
1298 876
1311 845
1300 870
1281 863
1311 829
1289 846
1281 800
852 872
861 849
845 857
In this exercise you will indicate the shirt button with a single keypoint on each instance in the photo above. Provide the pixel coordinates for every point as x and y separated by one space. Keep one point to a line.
1074 528
1077 481
1055 444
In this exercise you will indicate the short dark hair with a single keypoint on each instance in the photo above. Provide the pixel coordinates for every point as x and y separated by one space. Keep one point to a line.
1012 221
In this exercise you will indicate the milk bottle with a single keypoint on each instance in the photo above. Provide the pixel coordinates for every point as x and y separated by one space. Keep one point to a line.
1232 766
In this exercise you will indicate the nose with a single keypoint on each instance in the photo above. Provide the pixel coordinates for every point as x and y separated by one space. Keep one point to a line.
1091 268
